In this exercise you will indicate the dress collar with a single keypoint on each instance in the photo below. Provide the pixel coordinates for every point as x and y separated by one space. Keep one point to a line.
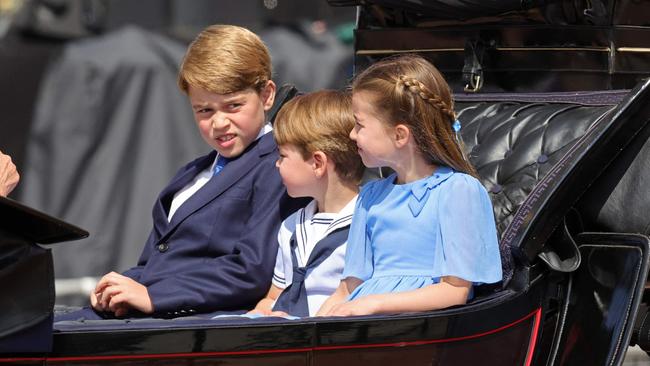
421 189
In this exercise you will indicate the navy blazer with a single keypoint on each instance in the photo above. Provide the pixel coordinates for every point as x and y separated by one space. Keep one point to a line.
218 252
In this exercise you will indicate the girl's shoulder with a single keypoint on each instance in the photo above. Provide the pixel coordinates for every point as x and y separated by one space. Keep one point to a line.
460 180
461 186
374 186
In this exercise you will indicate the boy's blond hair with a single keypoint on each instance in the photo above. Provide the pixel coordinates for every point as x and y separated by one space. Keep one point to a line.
322 121
225 59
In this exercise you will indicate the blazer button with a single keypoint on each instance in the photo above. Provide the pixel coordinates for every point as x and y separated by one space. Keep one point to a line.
163 247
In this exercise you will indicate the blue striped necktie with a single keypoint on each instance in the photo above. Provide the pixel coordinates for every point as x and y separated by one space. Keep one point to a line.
221 163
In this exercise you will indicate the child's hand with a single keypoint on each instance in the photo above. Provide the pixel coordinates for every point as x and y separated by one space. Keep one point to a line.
268 312
93 301
281 314
8 175
260 311
366 305
118 293
346 286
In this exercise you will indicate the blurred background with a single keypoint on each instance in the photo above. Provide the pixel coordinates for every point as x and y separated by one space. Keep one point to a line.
93 119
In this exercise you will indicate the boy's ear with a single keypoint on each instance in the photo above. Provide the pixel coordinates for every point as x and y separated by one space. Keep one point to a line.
402 134
319 163
268 95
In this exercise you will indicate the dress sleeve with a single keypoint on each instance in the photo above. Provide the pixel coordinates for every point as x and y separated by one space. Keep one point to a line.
358 253
469 248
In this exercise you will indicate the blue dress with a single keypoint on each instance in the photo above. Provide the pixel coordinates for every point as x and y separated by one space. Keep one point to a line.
406 236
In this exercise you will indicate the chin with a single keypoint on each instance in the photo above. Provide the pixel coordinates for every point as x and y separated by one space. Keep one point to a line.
370 164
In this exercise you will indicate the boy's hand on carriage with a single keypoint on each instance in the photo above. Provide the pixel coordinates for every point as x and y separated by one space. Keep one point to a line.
118 293
267 312
260 311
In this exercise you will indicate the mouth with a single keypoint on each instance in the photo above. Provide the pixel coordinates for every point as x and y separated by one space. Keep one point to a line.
225 138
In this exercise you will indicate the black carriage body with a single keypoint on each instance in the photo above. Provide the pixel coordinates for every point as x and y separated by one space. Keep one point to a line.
553 160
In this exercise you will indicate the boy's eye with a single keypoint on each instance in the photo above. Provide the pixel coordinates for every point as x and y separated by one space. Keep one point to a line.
203 110
234 105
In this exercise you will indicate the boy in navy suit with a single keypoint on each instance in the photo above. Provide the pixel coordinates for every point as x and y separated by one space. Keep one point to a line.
212 245
317 160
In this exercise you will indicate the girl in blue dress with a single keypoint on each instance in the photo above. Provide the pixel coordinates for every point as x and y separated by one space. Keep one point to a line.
422 237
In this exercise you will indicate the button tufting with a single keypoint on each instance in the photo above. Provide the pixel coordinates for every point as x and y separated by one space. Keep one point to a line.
496 189
162 247
507 153
542 159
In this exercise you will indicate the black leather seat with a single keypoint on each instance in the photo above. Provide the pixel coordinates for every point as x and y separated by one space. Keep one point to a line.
515 140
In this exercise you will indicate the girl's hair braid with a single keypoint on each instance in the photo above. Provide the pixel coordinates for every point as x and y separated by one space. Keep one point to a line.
416 87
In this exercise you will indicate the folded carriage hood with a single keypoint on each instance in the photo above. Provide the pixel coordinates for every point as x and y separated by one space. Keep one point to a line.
596 12
512 46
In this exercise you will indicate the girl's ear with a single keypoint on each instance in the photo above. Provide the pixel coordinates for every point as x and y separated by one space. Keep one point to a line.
402 134
319 163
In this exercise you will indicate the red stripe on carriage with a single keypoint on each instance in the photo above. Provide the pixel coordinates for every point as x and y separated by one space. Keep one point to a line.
533 337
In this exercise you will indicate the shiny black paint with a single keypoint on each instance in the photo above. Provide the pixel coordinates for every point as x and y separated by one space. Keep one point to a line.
449 336
607 285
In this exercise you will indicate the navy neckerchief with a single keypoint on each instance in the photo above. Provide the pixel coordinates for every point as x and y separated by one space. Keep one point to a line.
293 300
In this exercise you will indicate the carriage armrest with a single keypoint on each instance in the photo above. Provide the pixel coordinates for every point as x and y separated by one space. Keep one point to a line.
36 226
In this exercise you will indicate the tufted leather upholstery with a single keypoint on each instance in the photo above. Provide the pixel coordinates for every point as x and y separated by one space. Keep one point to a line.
513 144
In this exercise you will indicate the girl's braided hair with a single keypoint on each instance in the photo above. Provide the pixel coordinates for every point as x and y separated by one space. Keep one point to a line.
409 90
417 88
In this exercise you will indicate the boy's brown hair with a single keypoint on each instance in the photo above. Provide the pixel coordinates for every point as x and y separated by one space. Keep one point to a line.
225 59
322 121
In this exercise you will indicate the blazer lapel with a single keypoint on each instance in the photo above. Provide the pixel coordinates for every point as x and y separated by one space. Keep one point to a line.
230 175
164 201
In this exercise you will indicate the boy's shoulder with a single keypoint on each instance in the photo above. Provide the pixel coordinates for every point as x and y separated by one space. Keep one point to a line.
290 222
264 145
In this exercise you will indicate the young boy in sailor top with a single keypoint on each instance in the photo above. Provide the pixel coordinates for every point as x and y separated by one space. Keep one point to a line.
317 160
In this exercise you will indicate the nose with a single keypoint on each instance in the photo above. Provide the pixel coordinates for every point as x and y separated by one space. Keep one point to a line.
353 135
220 121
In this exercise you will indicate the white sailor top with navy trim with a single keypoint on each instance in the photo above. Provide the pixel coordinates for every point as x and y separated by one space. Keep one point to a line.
309 228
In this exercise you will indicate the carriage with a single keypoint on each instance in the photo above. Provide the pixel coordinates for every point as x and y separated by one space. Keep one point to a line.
557 122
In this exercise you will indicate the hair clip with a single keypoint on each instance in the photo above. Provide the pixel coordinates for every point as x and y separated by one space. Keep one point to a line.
456 126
